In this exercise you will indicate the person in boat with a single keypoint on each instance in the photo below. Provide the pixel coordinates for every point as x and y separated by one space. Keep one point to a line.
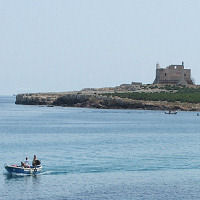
35 161
25 163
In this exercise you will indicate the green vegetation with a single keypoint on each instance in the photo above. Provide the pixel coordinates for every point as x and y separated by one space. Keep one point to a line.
172 87
181 94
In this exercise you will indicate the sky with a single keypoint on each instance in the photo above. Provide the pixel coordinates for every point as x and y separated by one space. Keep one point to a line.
65 45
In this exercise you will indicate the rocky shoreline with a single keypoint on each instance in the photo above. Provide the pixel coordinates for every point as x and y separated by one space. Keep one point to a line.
93 100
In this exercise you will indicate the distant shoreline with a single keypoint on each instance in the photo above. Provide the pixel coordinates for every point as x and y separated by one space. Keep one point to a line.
122 98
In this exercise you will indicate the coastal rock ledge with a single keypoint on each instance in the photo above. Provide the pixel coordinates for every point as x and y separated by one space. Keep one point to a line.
76 99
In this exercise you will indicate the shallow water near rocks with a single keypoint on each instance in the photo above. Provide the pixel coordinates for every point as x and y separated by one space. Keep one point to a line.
99 154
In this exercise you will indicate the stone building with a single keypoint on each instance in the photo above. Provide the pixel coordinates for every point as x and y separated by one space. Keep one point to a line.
173 74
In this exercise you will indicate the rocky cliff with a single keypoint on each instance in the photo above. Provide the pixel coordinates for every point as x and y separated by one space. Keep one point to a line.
99 101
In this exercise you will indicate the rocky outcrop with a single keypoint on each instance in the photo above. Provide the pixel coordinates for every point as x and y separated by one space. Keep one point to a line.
35 99
99 101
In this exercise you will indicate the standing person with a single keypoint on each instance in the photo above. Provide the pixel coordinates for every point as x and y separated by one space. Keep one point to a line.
34 160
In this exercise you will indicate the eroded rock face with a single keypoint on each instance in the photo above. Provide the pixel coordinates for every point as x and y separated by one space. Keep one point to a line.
100 101
71 100
35 99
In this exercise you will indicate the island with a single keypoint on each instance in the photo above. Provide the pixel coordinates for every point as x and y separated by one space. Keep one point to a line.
172 89
126 96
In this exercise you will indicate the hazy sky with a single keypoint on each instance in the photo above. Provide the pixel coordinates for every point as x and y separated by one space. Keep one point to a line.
62 45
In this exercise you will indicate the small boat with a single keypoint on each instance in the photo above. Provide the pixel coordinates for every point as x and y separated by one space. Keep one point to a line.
171 112
14 169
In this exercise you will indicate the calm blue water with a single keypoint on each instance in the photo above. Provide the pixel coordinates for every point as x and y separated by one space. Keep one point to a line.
90 154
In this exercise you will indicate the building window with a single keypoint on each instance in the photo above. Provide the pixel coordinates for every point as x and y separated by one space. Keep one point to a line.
184 74
165 74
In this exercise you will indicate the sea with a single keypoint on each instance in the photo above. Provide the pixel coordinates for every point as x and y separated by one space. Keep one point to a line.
99 154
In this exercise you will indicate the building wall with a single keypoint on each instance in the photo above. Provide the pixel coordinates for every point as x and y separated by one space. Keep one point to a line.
187 76
173 74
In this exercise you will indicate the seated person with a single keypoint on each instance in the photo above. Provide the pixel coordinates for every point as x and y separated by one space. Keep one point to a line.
25 163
